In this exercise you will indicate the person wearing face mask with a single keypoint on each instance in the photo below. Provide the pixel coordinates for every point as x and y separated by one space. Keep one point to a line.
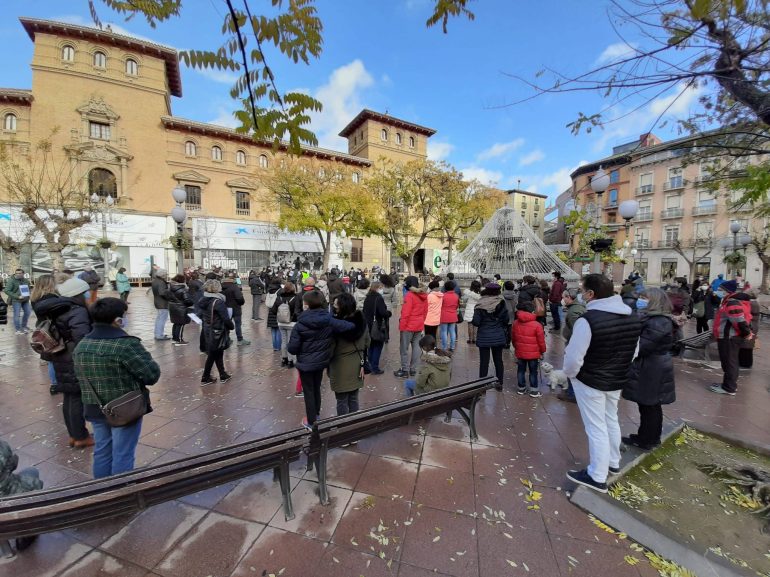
703 307
604 342
732 328
376 312
111 363
572 301
651 376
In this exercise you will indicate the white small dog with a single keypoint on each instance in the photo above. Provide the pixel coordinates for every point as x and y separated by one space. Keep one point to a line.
556 377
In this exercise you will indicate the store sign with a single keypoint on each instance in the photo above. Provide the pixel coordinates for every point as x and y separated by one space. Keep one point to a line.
219 259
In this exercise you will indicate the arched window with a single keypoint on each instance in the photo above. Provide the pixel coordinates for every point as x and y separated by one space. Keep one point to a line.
383 134
216 153
9 122
100 59
68 53
356 177
132 67
190 149
411 142
398 138
263 163
240 158
102 183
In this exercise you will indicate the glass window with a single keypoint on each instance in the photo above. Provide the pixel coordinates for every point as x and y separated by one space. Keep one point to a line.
193 200
398 138
675 177
703 229
383 134
132 67
216 153
100 59
263 162
668 269
102 183
614 176
9 122
706 198
242 203
356 249
68 53
411 142
240 157
99 130
190 149
673 201
613 198
703 268
645 179
670 234
645 204
356 177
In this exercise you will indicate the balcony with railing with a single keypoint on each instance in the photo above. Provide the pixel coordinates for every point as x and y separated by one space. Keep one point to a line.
645 189
672 213
698 242
644 215
704 209
611 204
643 243
192 207
669 243
675 183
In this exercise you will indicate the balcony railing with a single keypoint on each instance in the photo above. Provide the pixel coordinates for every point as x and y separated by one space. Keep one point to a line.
242 211
643 243
192 207
645 189
699 242
674 183
668 243
610 204
704 209
672 213
643 216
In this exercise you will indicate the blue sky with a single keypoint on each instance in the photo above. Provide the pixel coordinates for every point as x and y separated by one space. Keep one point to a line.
380 55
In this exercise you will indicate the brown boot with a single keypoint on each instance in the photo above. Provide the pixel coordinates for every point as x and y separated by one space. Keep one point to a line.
72 442
83 443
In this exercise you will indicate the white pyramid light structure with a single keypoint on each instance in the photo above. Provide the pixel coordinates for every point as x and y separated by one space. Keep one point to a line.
508 247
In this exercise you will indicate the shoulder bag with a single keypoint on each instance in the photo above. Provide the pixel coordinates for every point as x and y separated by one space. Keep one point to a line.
220 338
124 410
378 331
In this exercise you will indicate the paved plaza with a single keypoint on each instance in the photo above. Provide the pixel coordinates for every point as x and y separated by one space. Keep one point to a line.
415 502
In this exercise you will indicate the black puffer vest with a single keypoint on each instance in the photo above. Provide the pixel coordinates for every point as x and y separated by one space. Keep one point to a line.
613 342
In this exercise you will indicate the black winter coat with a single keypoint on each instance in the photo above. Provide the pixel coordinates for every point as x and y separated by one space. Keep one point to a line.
651 375
335 286
311 338
195 290
493 328
256 285
159 292
179 302
233 296
375 308
273 288
73 322
527 293
219 320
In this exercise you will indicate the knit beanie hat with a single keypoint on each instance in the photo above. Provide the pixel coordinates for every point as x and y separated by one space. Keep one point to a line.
72 287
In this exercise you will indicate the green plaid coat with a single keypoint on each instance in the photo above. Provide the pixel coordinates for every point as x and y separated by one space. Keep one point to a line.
114 363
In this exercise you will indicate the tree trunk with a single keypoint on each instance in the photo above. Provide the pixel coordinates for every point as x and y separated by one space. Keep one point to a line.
764 288
327 248
409 262
57 259
450 245
12 260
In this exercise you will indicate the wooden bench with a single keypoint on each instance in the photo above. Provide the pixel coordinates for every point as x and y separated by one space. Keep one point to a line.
344 429
64 507
698 343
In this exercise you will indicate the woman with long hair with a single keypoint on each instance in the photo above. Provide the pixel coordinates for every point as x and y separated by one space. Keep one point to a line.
215 329
288 296
651 375
491 318
45 287
376 313
470 299
179 303
346 368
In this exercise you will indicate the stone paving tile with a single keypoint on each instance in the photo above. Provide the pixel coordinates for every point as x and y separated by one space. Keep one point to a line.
412 571
98 564
213 548
311 518
455 455
338 561
506 503
386 477
344 468
256 498
279 552
517 553
442 541
445 489
208 498
581 559
51 554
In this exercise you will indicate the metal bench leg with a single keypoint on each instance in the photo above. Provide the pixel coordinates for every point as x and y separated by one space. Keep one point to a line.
448 417
282 473
7 550
323 493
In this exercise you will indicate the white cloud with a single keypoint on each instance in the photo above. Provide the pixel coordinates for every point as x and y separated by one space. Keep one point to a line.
500 149
220 76
225 117
552 183
615 52
531 158
341 99
488 177
439 150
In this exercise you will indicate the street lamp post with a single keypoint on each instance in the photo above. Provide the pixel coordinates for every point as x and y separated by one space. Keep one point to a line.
104 207
599 184
735 228
179 215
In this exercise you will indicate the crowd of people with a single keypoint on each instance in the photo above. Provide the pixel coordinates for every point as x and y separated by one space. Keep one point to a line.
617 344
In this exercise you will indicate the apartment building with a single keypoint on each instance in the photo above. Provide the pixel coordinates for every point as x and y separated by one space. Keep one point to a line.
531 206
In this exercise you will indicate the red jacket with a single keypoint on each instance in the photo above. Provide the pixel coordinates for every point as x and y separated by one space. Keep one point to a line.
527 336
449 307
414 311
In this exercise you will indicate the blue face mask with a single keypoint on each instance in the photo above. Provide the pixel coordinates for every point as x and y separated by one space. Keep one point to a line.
720 294
641 304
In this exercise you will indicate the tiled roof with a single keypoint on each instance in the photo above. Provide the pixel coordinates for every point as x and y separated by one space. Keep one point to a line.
367 114
16 95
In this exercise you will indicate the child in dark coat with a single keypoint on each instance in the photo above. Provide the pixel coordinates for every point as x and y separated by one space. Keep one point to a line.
528 338
311 341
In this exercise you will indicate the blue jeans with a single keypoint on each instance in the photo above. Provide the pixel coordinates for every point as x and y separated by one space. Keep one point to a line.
114 447
52 374
276 338
375 352
161 316
556 315
18 307
448 333
409 385
523 365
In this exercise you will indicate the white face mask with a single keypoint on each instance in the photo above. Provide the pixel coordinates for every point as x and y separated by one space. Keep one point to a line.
381 291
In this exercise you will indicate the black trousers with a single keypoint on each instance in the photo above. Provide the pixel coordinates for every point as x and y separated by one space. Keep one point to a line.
497 359
431 330
177 332
729 351
555 314
347 402
650 424
746 358
214 357
72 407
701 325
311 387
